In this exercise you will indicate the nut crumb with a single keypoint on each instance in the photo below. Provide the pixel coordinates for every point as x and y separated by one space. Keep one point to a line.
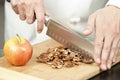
59 57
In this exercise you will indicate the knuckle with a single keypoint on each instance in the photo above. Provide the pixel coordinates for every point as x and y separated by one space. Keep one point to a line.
37 2
41 14
111 56
115 33
105 55
109 61
22 18
31 21
111 36
28 16
27 3
104 60
106 49
40 20
114 48
21 2
28 21
98 44
14 5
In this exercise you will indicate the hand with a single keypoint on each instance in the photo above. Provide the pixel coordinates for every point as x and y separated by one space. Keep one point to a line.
29 10
106 23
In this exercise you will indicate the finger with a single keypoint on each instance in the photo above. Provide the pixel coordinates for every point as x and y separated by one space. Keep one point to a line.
98 47
40 24
14 6
21 9
46 13
90 24
30 15
118 35
117 51
39 11
112 53
105 52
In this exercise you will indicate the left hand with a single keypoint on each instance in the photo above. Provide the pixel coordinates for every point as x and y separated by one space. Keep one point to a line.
30 10
106 23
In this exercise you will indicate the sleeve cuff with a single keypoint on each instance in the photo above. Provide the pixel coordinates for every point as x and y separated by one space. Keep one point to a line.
114 3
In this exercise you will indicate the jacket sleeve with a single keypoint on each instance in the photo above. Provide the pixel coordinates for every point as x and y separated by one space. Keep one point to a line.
114 3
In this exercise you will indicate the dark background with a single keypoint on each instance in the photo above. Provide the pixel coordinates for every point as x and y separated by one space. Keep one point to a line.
113 74
1 23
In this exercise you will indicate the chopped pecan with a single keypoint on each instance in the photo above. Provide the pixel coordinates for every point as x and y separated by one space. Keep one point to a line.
57 63
88 60
60 56
68 64
43 58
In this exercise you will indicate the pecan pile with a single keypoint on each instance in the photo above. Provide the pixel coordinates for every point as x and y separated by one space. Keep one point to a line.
63 57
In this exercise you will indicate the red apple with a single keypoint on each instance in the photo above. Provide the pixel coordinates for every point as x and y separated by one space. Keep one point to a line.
18 51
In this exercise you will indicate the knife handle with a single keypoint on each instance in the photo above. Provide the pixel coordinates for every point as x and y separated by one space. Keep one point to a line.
47 18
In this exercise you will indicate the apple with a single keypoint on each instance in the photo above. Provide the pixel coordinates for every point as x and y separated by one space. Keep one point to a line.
18 51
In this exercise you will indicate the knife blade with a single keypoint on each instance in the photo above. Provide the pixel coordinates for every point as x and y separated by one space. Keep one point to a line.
68 37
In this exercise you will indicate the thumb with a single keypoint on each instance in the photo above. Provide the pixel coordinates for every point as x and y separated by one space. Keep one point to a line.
88 30
90 25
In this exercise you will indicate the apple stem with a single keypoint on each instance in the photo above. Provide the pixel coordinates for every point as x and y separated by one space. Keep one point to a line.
19 39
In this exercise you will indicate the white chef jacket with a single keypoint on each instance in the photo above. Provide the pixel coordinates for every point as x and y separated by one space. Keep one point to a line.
114 3
63 11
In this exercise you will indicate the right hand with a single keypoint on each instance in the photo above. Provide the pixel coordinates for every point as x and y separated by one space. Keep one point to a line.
30 10
106 24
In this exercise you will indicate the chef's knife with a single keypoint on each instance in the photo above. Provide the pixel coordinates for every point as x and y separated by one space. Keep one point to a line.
68 37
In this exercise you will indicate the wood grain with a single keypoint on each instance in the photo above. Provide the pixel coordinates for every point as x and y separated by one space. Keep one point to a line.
6 74
45 72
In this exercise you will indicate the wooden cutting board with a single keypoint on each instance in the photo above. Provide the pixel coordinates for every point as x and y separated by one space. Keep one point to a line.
45 72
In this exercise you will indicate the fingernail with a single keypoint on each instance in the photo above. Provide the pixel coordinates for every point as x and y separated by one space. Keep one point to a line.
103 67
39 30
86 32
22 18
30 21
109 66
97 60
113 60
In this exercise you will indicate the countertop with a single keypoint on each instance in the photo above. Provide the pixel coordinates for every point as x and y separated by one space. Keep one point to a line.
112 74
